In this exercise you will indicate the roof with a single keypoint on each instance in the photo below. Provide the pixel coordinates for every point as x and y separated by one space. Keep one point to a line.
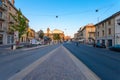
88 25
117 13
57 31
15 8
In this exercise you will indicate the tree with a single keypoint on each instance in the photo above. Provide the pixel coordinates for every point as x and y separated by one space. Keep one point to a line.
41 34
56 37
20 23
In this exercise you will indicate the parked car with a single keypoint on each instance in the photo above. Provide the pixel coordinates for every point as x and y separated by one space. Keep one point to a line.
115 48
100 45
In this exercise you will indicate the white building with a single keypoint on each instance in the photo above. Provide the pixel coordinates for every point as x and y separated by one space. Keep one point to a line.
117 29
108 30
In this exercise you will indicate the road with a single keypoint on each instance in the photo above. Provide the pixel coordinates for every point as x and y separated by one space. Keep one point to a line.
104 63
13 63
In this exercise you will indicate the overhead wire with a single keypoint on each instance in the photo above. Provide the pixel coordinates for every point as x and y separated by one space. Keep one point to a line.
78 13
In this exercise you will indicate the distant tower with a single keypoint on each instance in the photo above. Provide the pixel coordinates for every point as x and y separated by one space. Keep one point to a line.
12 1
48 31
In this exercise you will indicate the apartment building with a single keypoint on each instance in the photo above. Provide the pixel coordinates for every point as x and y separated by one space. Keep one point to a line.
76 36
3 22
7 7
87 33
108 30
31 34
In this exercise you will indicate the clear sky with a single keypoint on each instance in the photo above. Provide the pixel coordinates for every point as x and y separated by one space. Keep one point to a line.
72 14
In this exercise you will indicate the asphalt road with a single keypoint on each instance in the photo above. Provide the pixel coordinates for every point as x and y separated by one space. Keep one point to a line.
13 63
104 63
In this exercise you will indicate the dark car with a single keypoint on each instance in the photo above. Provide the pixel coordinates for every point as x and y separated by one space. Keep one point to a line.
100 45
115 48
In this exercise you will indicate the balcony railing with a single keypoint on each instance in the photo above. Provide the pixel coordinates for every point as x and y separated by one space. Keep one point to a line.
2 29
3 6
11 21
2 18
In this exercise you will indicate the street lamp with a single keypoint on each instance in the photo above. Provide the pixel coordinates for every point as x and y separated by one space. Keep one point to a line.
96 12
56 16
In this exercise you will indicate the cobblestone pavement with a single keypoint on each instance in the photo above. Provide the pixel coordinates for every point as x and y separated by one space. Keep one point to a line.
58 66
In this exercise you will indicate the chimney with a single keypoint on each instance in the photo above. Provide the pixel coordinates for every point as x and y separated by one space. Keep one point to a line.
12 1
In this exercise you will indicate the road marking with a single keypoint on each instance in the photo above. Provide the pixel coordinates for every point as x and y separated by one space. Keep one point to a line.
90 75
20 75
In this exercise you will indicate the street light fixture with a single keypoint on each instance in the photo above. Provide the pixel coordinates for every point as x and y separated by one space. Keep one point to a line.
56 16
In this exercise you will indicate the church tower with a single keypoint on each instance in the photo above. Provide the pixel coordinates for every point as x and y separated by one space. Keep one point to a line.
48 31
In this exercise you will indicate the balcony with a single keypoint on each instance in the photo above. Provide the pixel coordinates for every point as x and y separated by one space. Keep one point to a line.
2 18
11 22
3 7
2 29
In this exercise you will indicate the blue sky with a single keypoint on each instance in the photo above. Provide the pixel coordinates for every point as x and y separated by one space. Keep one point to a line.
72 14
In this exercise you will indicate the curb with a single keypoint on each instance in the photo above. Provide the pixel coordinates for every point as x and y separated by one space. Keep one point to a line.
90 75
31 67
24 49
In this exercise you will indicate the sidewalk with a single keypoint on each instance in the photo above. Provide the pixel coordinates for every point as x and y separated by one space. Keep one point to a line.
5 51
59 64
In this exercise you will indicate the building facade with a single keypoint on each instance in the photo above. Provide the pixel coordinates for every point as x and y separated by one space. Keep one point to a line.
3 22
108 30
7 7
50 34
76 36
31 34
87 33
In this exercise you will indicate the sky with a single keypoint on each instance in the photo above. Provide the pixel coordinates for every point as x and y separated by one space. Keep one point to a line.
72 14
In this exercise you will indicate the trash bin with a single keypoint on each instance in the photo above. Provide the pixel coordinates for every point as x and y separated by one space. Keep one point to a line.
13 47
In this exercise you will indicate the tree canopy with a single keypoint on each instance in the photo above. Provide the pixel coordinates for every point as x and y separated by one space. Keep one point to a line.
20 23
56 36
41 34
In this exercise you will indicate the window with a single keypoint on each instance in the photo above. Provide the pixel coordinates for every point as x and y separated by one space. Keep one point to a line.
8 39
0 2
109 31
0 25
10 8
109 22
102 32
98 26
103 25
0 14
98 34
98 41
1 38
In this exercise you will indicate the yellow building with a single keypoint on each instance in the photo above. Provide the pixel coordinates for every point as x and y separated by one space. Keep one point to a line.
87 33
55 31
28 36
31 34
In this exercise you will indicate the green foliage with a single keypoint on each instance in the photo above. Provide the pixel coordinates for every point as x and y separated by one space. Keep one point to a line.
41 34
19 24
56 36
